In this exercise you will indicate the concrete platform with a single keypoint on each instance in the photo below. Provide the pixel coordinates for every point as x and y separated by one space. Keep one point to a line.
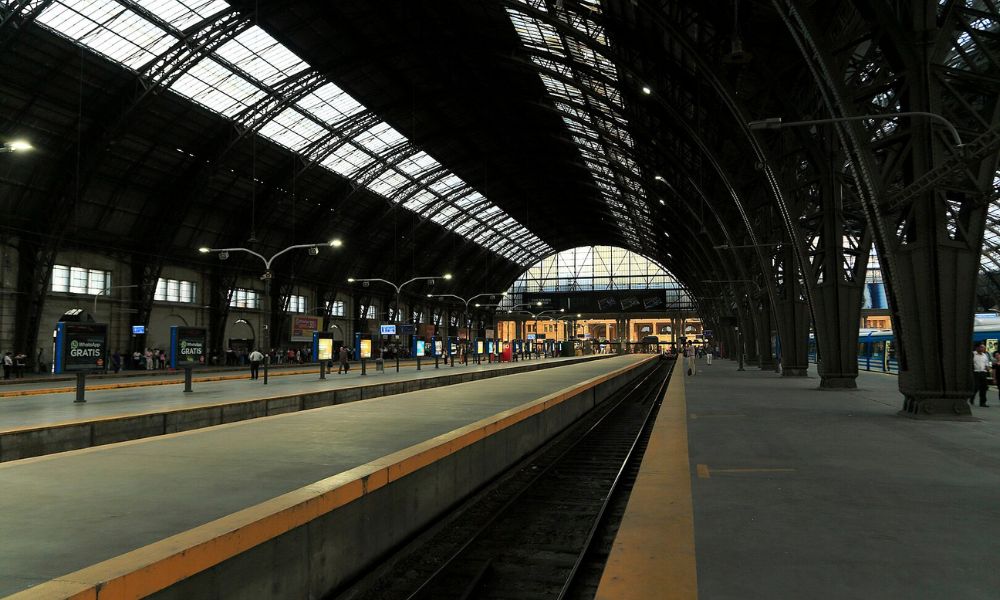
802 493
42 424
239 502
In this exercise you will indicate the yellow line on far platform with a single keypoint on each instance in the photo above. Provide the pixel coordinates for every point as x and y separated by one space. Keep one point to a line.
714 415
705 473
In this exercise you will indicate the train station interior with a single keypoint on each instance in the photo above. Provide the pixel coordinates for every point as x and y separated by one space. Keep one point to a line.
589 299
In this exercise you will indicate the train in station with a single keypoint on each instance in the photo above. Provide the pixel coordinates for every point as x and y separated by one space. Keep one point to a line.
877 347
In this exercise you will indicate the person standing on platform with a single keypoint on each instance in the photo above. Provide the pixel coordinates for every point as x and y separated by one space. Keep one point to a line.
345 364
996 369
255 359
8 365
981 369
116 362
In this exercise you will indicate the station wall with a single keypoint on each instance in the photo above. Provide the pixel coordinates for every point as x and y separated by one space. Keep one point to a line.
115 308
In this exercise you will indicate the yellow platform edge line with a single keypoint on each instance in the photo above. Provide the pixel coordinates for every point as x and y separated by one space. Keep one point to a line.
136 384
155 567
653 555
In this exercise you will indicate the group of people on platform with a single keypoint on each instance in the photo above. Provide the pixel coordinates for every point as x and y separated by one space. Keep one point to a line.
14 365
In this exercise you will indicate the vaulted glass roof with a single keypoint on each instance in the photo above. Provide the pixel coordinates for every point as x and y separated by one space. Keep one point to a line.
208 53
594 268
583 86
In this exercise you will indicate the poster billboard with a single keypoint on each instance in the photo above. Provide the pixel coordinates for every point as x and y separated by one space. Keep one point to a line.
421 347
303 327
187 346
366 348
480 347
81 347
324 349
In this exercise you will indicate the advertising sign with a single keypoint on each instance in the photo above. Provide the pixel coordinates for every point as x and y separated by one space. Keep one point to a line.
324 349
480 348
322 345
438 347
81 347
421 347
992 345
187 346
387 329
304 327
366 348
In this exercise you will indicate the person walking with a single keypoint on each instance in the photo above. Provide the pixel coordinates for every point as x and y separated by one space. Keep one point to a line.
980 369
255 359
345 365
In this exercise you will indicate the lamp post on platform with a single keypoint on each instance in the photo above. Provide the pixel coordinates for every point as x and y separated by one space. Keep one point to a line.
266 278
399 289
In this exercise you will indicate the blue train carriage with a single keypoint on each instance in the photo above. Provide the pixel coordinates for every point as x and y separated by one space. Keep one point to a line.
877 351
987 331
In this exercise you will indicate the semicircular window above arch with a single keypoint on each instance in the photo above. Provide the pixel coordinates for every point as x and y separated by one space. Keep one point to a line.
594 268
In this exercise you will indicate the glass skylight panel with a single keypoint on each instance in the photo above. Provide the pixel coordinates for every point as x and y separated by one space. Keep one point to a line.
108 28
183 14
292 129
388 183
378 138
466 225
245 72
347 159
420 201
447 184
217 88
445 214
330 104
417 165
254 51
591 105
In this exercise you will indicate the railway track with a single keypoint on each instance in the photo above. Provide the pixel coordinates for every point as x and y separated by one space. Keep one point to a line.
543 530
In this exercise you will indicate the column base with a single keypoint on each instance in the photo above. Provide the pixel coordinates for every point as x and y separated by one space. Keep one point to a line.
838 382
939 409
795 372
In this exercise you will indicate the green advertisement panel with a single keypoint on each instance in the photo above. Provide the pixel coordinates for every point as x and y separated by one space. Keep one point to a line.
81 347
187 346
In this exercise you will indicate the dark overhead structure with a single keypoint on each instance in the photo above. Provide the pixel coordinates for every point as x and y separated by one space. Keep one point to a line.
758 150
